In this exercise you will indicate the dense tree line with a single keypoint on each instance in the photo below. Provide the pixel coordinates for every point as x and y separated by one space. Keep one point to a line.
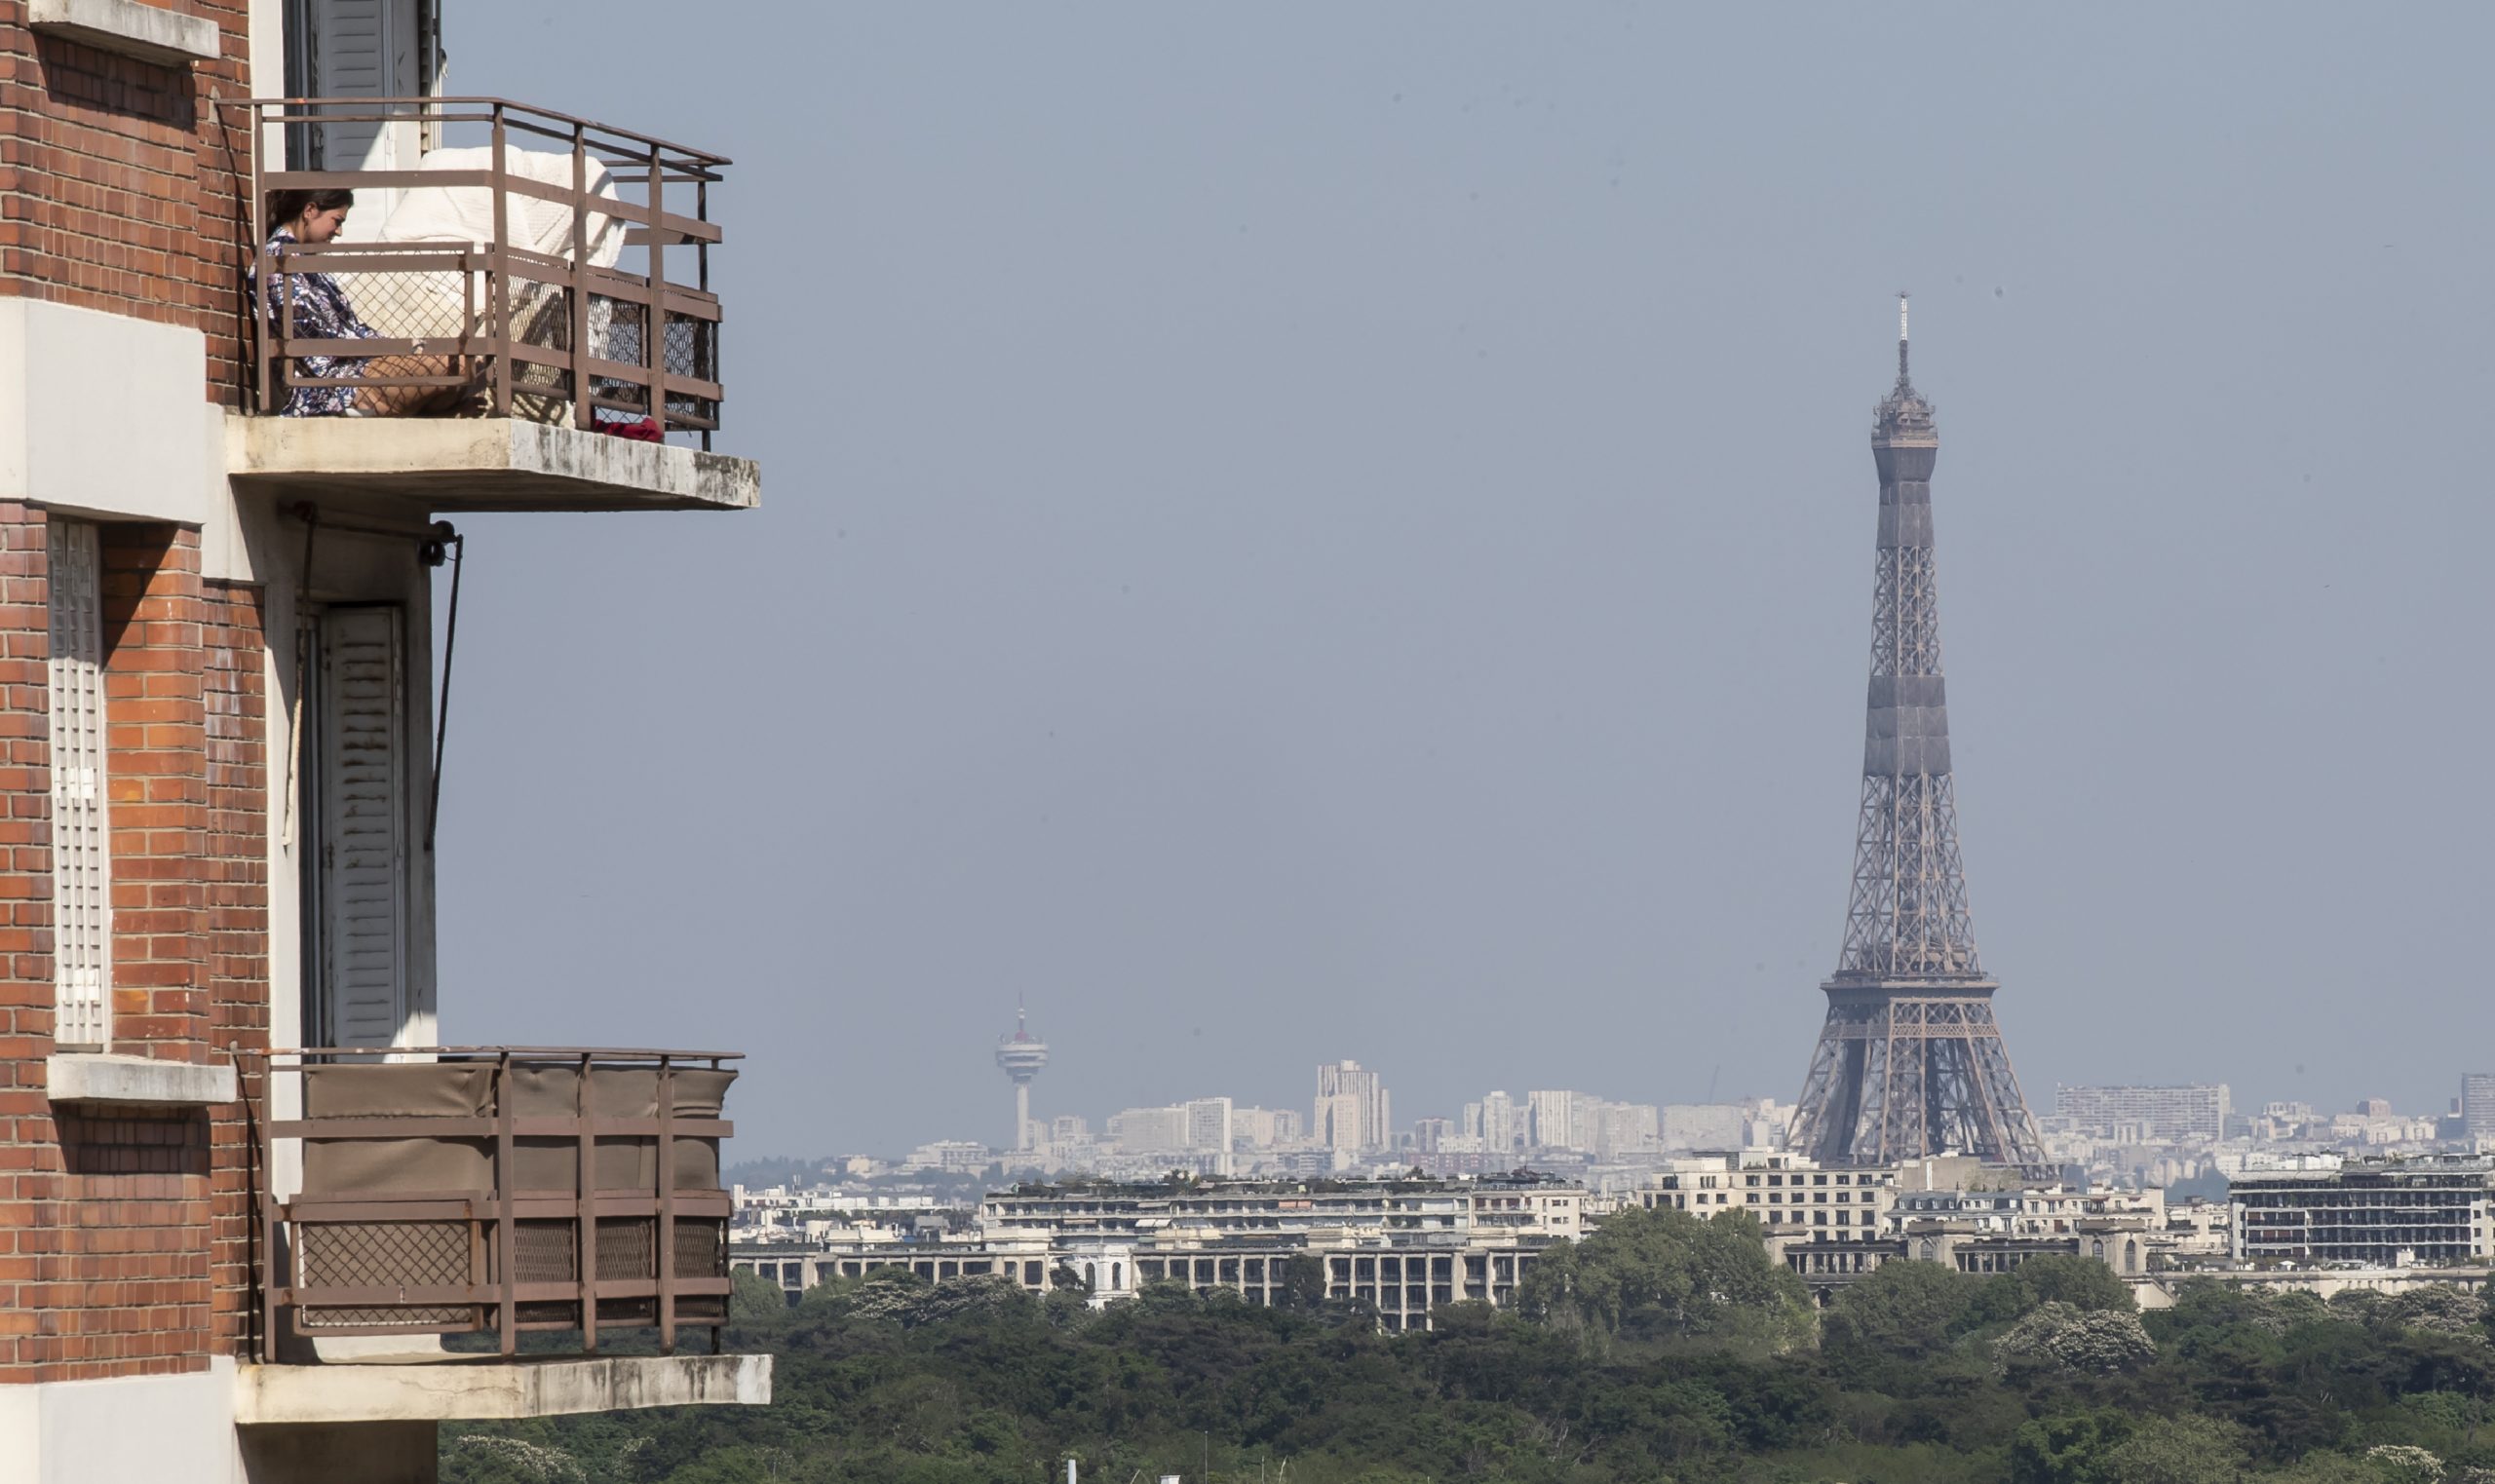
1661 1347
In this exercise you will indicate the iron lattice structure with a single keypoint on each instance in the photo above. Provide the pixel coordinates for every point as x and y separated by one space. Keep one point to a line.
1910 1061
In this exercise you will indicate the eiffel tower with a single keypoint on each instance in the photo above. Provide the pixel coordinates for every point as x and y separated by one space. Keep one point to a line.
1910 1061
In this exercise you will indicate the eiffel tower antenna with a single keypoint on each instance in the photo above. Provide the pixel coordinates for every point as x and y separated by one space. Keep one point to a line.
1910 1060
1902 338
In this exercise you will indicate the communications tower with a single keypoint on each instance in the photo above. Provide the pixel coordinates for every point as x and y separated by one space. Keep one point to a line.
1910 1060
1021 1056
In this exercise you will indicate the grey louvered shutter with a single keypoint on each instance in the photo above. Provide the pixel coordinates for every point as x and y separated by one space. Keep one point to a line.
81 855
352 45
367 49
363 823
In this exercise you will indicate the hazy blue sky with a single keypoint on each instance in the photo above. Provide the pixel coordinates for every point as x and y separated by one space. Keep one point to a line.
1303 531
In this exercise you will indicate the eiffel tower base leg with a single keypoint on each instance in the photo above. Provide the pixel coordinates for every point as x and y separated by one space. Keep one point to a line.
1907 1070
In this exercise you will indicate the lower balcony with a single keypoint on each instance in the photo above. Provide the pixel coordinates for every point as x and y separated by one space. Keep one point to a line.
493 1231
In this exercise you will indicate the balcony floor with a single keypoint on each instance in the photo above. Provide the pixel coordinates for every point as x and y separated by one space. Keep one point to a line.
492 1386
455 463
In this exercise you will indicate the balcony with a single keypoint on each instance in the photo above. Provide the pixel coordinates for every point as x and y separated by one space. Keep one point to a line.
529 321
436 1209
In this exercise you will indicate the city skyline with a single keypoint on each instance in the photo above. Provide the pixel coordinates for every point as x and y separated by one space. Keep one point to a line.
2193 1109
1404 600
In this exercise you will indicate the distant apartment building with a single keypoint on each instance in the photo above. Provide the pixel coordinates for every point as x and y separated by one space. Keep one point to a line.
952 1157
1552 1118
1831 1225
2381 1213
2194 1111
2477 1106
1208 1126
1203 1126
1704 1126
1351 1110
1261 1128
1621 1131
1788 1194
1404 1246
1709 1127
1149 1130
1498 1122
1208 1131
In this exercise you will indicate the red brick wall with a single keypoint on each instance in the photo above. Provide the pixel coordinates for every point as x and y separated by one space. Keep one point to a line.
121 181
30 1157
156 769
123 1230
237 877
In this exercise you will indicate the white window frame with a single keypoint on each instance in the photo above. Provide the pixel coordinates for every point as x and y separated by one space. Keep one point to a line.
82 873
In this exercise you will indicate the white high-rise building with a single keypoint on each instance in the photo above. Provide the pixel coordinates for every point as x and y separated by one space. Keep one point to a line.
1351 1112
2197 1111
1149 1130
1554 1116
2477 1105
1620 1129
1208 1129
1498 1121
1265 1127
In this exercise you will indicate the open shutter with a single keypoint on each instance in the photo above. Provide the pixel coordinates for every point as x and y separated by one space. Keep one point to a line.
363 825
81 859
351 58
367 49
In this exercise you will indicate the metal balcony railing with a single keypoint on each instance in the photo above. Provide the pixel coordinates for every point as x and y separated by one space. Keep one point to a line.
493 1189
523 268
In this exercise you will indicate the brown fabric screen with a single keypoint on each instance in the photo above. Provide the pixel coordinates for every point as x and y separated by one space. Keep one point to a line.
345 1167
618 1092
339 1167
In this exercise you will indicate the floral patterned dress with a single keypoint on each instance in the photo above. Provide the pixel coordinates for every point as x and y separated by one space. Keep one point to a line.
322 311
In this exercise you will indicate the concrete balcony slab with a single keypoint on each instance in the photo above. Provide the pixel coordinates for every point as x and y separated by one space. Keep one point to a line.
482 1388
454 464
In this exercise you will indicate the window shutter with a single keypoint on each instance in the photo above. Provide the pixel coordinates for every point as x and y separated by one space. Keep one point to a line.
364 845
367 49
81 860
351 47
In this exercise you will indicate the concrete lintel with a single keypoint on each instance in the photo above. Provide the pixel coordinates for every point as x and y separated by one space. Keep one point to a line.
453 464
457 1389
93 1077
148 32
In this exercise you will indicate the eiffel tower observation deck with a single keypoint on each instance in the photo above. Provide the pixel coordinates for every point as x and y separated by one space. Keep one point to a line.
1910 1060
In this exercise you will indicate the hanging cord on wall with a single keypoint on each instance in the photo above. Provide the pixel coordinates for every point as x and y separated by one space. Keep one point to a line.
310 514
437 544
445 542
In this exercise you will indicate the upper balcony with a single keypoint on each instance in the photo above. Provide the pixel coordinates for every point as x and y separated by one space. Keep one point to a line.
419 1216
521 319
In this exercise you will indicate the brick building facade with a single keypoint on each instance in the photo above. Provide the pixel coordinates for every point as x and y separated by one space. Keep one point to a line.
122 178
217 693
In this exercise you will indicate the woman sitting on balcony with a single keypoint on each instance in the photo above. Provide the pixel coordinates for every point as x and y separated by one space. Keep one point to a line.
322 311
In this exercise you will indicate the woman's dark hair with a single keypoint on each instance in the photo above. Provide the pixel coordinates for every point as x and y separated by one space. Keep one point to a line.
286 206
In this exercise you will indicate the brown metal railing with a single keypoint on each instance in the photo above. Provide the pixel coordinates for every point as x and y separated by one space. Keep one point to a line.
500 327
493 1189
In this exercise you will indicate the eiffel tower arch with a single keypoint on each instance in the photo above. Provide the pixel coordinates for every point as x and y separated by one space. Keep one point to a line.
1910 1060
